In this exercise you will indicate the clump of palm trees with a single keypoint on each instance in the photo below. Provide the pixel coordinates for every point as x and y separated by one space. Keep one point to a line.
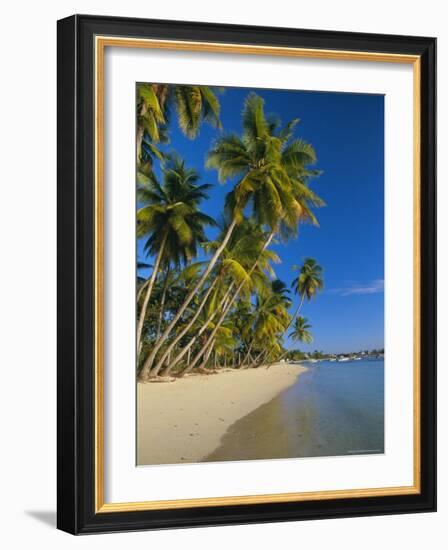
213 303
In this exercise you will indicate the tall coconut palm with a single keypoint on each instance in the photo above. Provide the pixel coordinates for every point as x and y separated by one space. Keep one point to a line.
308 282
274 299
171 221
272 171
301 332
202 326
272 179
271 320
240 252
168 279
222 344
193 104
261 264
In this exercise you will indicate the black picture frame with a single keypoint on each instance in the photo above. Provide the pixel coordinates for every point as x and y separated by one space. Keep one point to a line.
76 396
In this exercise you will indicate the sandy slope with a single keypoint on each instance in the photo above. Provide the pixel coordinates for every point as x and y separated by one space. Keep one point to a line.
184 421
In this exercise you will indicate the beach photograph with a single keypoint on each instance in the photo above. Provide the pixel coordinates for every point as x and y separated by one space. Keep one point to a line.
259 275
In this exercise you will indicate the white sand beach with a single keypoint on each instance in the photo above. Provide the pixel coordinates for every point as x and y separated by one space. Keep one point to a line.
184 421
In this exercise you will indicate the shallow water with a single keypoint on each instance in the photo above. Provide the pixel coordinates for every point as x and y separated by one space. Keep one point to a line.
333 409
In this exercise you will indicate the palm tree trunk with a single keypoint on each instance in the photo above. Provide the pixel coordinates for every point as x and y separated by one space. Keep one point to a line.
207 357
150 359
299 307
183 332
231 301
256 362
141 289
282 356
187 348
148 293
208 351
247 354
162 302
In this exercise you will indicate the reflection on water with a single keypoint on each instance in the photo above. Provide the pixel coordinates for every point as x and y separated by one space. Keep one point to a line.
333 409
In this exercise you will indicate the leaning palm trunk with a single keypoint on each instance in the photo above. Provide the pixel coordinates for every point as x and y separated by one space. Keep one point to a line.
148 293
299 307
207 352
141 289
187 348
282 356
215 330
159 365
247 356
259 359
207 357
150 359
229 305
162 303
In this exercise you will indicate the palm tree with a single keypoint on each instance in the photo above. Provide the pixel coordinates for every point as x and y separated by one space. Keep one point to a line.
253 277
231 270
193 104
273 300
272 177
271 169
308 283
172 221
168 279
280 289
222 344
272 318
202 326
301 331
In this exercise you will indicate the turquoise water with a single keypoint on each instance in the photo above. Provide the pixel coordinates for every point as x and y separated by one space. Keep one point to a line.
333 409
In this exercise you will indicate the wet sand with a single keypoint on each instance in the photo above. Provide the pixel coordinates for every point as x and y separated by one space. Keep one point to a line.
184 421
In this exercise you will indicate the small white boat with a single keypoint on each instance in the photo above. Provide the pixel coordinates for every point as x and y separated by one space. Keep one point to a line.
342 359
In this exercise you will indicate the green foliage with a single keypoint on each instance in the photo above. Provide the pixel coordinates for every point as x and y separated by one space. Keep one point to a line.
272 170
171 211
301 332
193 104
238 307
309 281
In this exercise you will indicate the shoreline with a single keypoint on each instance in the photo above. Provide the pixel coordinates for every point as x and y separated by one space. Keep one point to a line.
184 421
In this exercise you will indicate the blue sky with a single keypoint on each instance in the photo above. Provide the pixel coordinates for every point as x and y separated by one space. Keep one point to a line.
347 132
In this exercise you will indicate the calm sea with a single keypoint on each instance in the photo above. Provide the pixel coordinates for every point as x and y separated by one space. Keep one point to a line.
334 409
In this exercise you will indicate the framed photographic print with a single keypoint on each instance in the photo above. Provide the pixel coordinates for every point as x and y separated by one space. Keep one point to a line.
246 274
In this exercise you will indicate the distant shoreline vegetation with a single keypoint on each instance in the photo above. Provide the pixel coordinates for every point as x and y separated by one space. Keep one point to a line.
297 355
205 302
